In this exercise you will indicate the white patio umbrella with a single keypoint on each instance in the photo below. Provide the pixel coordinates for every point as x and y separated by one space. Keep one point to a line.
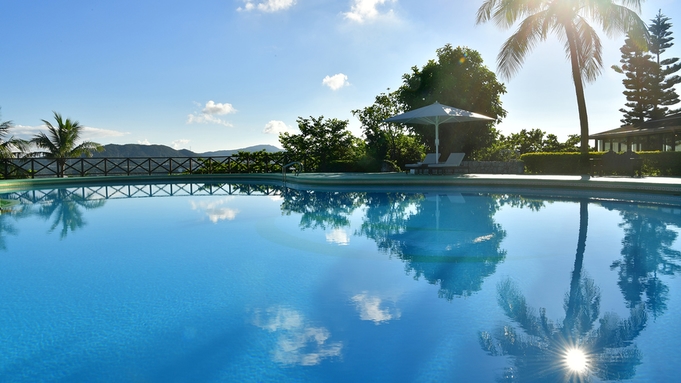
436 114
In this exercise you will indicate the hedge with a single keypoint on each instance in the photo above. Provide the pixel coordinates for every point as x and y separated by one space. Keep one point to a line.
654 163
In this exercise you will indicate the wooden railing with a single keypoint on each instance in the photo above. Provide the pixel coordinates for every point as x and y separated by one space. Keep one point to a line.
137 166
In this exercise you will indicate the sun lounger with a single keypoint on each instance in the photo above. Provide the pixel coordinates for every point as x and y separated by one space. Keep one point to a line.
452 164
423 165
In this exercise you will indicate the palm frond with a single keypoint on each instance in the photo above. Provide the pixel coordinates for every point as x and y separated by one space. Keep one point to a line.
512 54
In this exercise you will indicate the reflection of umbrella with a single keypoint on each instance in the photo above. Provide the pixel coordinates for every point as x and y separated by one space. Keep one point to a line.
436 114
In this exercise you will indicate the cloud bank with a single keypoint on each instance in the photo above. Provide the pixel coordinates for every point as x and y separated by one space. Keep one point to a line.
336 81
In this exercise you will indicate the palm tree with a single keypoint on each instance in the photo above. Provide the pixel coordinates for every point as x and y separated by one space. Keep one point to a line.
61 143
568 20
8 146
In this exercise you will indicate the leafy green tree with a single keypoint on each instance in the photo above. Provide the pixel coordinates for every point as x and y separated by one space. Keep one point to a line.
568 20
663 93
385 140
62 142
460 79
10 145
638 70
320 142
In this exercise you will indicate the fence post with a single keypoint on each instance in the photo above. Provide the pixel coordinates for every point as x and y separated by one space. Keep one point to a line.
32 167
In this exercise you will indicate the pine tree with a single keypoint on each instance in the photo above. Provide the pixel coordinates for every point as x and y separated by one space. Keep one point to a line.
662 90
639 71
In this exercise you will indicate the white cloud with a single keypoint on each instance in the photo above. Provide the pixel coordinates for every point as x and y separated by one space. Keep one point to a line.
369 308
218 108
267 5
179 144
367 10
336 81
208 113
143 142
298 342
338 236
276 127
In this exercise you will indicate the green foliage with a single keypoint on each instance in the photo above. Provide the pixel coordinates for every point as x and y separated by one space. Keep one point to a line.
62 142
664 79
553 163
654 163
460 79
387 141
320 143
649 80
243 162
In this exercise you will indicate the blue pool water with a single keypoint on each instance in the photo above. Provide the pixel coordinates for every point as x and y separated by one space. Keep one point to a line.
254 283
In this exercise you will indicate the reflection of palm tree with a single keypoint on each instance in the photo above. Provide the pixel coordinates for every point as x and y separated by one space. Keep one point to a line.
6 227
647 252
539 355
65 210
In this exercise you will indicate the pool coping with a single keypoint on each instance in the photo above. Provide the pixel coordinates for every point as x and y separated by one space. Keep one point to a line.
657 185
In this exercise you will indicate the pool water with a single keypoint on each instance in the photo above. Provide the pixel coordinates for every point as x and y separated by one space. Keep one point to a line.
264 283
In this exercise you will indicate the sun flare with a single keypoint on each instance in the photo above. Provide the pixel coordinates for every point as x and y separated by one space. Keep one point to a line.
576 360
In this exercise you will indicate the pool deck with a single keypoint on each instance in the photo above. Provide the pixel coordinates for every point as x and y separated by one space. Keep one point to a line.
658 185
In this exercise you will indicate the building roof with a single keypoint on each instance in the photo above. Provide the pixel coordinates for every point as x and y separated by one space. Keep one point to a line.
663 125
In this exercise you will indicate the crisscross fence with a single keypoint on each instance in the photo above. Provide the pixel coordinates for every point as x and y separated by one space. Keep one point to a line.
258 162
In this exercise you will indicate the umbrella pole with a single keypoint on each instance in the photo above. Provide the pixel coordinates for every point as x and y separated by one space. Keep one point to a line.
437 140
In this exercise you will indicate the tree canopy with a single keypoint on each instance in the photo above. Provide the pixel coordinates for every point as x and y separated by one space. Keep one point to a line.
320 142
460 79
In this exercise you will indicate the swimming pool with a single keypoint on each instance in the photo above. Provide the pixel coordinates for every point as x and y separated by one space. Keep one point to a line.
262 283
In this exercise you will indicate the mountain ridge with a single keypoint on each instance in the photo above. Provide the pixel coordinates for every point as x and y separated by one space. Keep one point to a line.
140 150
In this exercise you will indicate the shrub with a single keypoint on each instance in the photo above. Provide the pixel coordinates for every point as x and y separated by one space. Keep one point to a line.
654 163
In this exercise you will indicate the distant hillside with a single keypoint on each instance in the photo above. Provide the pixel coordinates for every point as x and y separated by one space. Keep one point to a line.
138 150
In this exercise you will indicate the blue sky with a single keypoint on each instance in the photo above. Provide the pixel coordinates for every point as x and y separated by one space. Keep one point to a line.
226 74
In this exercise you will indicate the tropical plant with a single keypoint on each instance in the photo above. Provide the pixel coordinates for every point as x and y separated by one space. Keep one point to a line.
62 142
568 20
10 145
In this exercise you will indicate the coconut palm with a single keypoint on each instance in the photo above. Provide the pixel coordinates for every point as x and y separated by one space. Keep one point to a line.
62 142
8 146
567 19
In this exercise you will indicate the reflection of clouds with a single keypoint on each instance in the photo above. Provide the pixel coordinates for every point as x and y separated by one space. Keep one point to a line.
215 211
338 236
369 308
298 343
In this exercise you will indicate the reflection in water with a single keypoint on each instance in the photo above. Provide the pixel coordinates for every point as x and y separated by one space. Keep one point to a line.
546 351
298 342
646 255
449 239
215 210
320 210
64 209
7 215
338 236
372 308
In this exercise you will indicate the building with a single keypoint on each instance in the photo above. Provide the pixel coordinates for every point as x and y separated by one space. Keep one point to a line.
663 134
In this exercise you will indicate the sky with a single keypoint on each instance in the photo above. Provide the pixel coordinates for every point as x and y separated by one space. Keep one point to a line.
210 75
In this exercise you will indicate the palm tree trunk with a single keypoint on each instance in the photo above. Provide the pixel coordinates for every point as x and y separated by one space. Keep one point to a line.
581 100
573 299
